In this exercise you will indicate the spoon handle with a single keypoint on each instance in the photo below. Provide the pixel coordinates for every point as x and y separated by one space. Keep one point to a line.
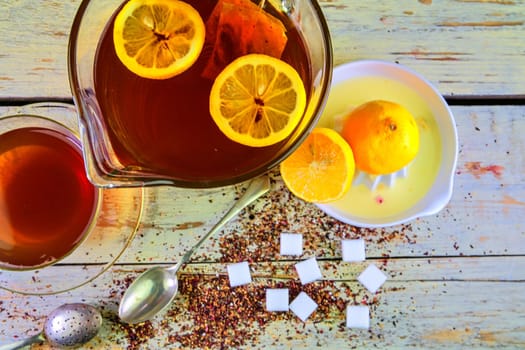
256 189
38 338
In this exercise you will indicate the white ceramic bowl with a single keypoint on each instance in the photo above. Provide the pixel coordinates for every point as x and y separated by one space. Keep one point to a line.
428 186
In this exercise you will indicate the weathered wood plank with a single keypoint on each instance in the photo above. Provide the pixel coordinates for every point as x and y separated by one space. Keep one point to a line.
431 304
33 48
484 216
463 47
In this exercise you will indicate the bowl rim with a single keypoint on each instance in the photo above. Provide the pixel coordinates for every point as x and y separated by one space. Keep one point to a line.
441 191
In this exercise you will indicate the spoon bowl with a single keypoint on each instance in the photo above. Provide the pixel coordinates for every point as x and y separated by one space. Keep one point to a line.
149 294
154 290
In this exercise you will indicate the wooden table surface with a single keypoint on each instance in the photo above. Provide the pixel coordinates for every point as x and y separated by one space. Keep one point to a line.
455 279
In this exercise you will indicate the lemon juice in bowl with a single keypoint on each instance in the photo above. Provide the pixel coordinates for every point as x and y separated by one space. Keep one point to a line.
155 90
387 200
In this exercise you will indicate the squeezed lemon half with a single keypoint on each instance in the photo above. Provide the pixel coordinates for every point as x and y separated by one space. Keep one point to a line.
321 169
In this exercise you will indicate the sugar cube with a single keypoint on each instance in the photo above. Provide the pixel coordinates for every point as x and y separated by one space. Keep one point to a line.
372 278
357 316
303 306
353 250
308 270
291 243
239 274
277 299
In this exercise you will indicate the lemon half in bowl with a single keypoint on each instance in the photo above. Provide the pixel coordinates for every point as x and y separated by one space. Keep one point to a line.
427 182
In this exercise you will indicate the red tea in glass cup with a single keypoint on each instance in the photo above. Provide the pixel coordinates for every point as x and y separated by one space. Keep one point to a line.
47 204
139 131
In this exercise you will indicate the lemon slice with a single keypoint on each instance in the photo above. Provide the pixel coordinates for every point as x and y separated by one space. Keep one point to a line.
257 100
158 39
322 168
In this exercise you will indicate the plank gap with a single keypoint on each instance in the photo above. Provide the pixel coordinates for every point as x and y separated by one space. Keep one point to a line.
485 100
22 101
452 100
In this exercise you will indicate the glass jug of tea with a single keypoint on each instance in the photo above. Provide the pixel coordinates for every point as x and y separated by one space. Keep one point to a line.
146 123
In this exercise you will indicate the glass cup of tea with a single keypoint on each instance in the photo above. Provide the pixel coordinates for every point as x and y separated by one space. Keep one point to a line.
51 215
139 131
47 202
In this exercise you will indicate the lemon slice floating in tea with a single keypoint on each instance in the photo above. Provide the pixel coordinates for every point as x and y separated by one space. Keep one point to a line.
383 135
257 100
321 169
158 39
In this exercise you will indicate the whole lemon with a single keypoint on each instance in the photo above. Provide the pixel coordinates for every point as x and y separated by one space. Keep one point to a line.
384 136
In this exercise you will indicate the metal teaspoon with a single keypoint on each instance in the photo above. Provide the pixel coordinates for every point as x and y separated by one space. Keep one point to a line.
154 290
